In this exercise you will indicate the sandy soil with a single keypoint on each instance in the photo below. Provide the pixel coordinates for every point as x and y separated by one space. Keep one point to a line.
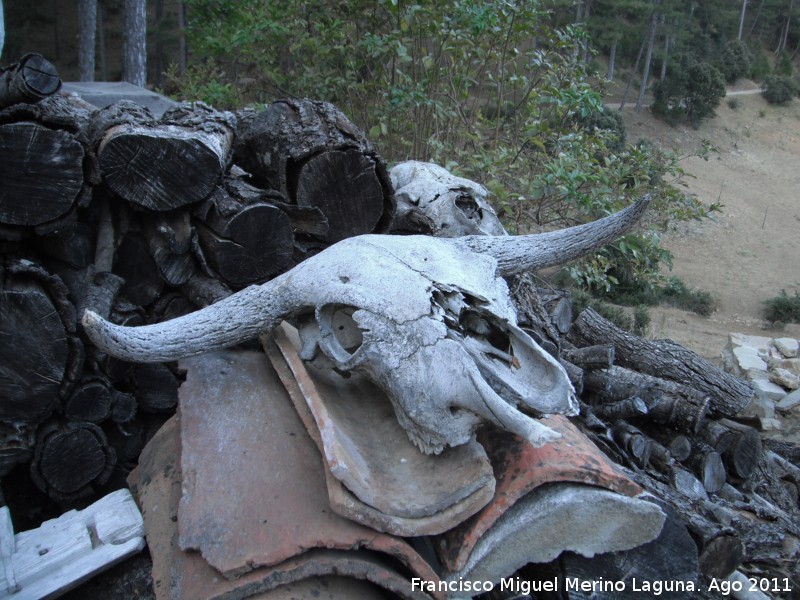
751 251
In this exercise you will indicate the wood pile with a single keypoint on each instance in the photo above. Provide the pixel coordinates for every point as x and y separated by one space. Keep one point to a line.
672 420
143 219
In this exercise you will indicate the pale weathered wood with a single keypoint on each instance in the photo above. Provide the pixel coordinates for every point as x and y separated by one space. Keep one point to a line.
67 551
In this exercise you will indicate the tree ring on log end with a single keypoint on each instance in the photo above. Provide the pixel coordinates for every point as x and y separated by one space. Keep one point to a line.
42 173
72 459
329 182
159 172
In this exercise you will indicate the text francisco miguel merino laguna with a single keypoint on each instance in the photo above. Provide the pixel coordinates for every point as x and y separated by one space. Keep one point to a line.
515 584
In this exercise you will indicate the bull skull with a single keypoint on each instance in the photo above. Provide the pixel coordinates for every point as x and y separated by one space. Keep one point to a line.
429 320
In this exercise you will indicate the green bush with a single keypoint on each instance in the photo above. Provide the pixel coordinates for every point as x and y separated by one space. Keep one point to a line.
736 61
607 119
690 93
783 308
733 103
675 293
778 89
457 82
759 69
783 66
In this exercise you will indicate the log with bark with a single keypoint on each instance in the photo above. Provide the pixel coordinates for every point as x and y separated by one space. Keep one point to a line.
316 158
44 162
667 360
42 356
28 81
71 459
162 164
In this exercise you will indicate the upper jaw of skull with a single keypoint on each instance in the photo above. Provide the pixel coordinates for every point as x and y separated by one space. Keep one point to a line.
445 373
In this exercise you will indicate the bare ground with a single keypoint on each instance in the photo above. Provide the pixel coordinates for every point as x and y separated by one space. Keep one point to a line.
751 251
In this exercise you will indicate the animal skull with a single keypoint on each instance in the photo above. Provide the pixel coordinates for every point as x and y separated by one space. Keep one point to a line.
429 320
450 206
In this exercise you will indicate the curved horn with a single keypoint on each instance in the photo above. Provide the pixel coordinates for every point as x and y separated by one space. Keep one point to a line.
519 253
235 319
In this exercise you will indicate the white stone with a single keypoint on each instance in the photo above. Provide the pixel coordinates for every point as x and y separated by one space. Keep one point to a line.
784 378
761 407
790 364
771 424
789 402
789 347
766 389
760 343
746 358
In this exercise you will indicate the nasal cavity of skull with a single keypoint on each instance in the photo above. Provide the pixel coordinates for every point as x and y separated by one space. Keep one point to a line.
339 331
494 338
469 206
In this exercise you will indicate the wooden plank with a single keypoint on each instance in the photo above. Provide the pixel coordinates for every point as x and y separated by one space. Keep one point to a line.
64 552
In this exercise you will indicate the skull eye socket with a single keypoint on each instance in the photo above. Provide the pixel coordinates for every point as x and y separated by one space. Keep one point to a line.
467 205
340 335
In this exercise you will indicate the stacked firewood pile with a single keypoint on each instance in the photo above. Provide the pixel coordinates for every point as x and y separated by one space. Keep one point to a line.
675 422
142 219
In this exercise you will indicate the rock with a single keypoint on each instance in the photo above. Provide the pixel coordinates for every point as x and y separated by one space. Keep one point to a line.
789 402
745 359
790 364
766 389
760 343
788 347
761 407
771 424
784 378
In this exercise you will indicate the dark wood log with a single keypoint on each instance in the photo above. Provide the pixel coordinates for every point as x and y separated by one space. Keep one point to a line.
202 290
739 445
678 445
166 164
71 459
128 440
532 314
123 407
633 441
575 375
156 387
42 173
313 155
73 245
90 401
41 356
16 446
244 241
590 358
667 360
784 448
134 263
630 408
707 464
668 402
30 80
169 239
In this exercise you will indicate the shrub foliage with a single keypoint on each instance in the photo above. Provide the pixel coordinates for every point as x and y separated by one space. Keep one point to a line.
491 90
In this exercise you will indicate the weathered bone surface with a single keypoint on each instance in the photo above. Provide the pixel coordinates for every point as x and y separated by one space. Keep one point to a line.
429 320
452 206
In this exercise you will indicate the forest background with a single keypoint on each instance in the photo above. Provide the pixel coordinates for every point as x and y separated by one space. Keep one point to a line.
509 93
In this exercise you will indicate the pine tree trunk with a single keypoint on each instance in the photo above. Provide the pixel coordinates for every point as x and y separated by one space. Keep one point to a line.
87 19
612 60
651 38
134 45
741 18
